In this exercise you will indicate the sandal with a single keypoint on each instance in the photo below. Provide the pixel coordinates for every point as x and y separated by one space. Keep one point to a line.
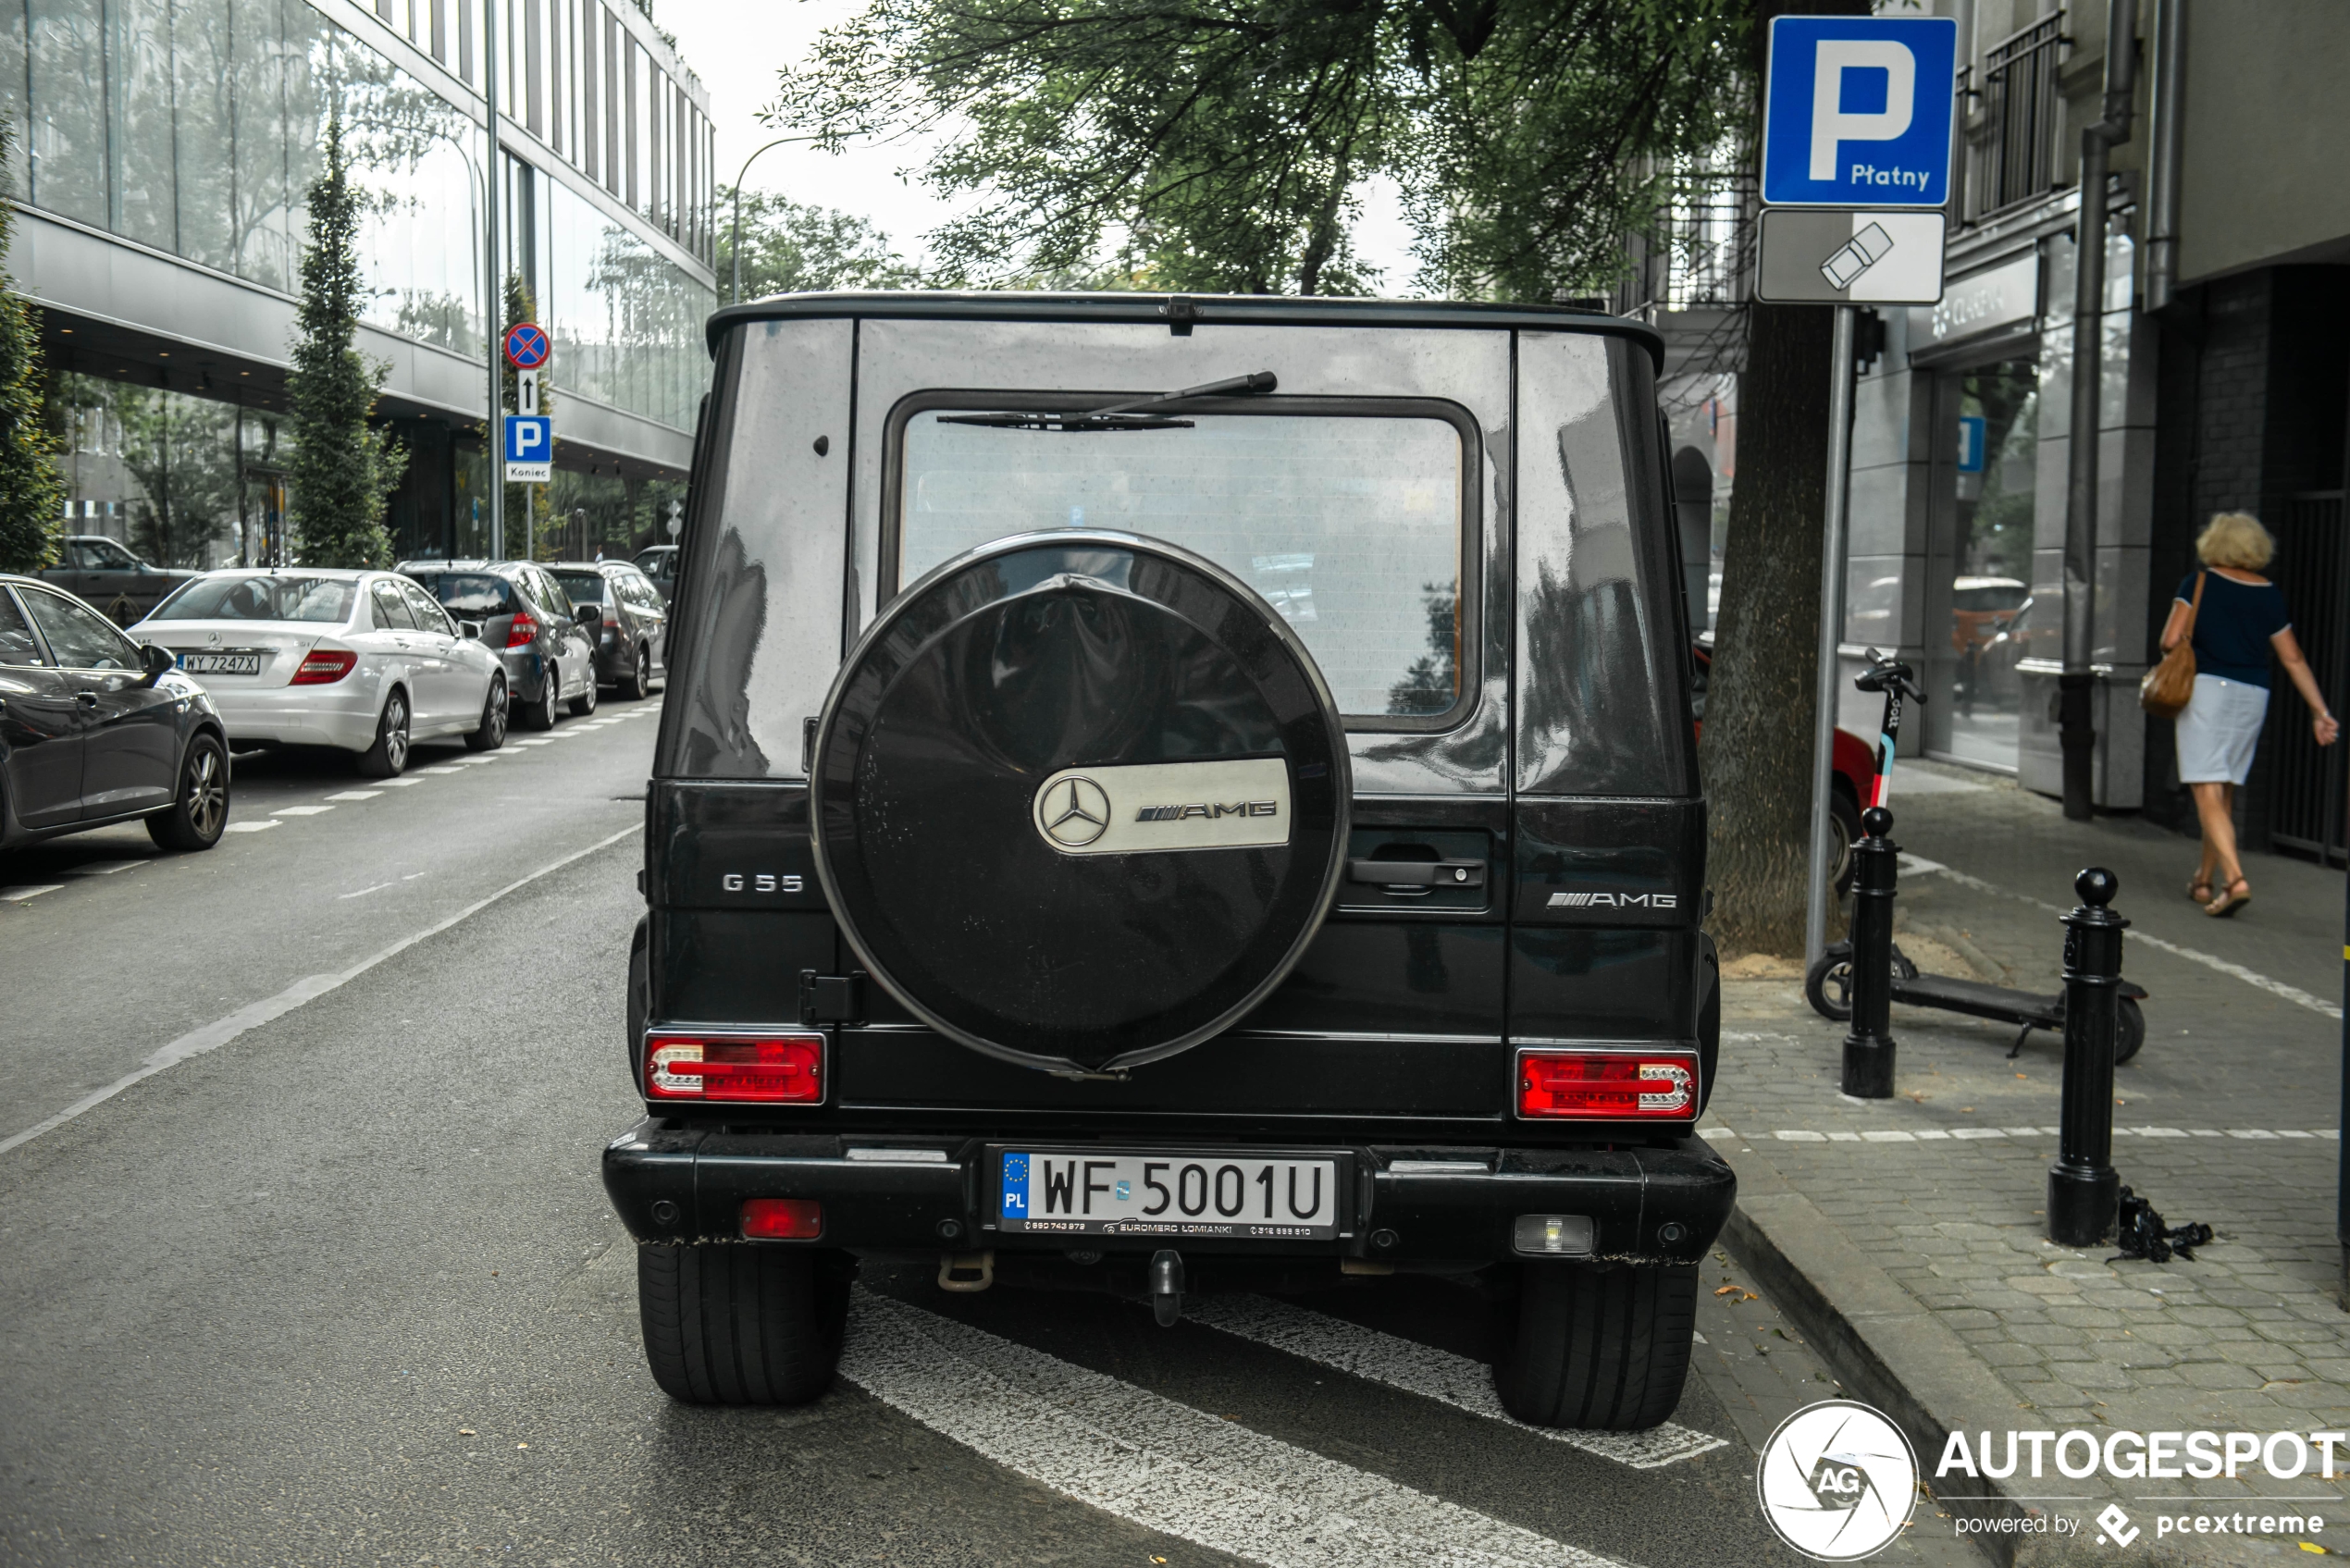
2229 900
2199 889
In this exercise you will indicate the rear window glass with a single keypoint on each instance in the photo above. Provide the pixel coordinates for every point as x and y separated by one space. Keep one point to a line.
469 594
260 597
1350 526
585 588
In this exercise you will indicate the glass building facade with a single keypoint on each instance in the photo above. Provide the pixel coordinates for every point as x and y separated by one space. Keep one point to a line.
194 128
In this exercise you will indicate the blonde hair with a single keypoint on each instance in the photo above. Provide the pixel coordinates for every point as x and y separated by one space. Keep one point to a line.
2235 538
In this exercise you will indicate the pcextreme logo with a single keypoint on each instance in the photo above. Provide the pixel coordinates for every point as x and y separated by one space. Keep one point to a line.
1837 1481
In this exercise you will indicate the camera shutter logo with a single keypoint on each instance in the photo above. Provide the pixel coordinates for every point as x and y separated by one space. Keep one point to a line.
1837 1481
1076 814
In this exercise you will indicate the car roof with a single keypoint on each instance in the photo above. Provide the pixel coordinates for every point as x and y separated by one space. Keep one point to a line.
1159 309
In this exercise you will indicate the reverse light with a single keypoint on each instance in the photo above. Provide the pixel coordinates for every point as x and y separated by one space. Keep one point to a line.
784 1068
523 633
1607 1085
324 666
783 1219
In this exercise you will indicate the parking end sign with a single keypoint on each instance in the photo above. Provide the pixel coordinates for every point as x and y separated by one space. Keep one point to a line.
1857 111
530 449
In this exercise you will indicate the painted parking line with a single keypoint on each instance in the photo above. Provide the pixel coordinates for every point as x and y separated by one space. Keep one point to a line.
262 826
356 795
397 783
1415 1368
301 810
1163 1466
2292 993
104 868
19 894
534 740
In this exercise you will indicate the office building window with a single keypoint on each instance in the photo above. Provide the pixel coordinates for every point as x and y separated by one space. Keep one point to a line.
534 69
590 133
613 104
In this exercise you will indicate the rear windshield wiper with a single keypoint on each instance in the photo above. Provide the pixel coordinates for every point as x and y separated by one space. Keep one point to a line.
1119 416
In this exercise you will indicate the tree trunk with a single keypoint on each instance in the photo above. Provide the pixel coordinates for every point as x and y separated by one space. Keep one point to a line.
1756 752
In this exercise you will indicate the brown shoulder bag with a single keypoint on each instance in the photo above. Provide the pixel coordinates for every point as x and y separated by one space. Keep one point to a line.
2165 690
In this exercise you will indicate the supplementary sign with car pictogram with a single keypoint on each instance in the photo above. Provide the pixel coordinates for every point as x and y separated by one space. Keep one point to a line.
1848 256
1857 111
528 345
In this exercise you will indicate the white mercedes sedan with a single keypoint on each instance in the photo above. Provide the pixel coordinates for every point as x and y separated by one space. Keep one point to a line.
364 662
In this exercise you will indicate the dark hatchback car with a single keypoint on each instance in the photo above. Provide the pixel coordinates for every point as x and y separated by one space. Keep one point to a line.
629 644
96 729
104 573
524 617
658 564
1242 837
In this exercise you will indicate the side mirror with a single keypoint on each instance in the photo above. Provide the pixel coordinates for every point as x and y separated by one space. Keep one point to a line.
157 662
470 630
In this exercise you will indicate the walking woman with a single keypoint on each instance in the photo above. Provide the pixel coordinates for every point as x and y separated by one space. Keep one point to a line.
2242 618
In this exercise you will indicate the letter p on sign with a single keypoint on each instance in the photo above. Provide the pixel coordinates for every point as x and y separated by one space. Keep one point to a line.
1858 111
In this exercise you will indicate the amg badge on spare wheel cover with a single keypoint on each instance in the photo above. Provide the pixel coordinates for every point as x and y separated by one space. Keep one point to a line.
1080 799
1164 806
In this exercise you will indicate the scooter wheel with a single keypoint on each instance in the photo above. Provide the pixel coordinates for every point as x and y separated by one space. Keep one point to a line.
1827 985
2130 1031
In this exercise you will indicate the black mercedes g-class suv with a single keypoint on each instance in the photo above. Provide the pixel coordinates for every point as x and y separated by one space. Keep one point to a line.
1239 837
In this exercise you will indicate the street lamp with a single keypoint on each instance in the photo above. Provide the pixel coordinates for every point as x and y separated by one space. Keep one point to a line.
780 140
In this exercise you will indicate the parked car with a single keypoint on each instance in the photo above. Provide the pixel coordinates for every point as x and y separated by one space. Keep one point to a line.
658 564
1851 780
1230 852
629 644
547 645
95 730
362 661
103 572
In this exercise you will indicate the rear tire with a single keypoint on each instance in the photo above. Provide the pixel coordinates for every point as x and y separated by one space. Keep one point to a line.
639 684
2131 1032
1844 820
1602 1348
199 809
738 1323
539 713
492 732
389 756
585 703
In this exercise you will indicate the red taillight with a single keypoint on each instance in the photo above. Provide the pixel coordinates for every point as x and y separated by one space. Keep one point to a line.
323 666
523 633
1608 1085
786 1069
783 1219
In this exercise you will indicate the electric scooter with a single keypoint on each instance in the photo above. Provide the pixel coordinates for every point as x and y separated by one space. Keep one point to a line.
1828 985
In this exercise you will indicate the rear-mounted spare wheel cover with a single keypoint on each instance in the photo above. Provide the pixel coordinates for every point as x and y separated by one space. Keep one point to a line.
1080 799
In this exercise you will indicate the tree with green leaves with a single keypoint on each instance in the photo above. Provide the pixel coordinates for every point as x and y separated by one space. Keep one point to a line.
1224 144
791 246
344 469
32 492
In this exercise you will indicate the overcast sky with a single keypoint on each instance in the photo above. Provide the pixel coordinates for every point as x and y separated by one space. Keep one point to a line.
737 46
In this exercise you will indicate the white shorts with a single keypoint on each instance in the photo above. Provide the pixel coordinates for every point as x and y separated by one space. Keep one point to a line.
2219 730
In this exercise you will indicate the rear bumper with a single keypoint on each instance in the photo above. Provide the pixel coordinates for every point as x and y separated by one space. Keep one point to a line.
674 1182
342 715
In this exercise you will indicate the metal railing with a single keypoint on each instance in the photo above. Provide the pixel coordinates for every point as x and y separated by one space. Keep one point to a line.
2306 781
2013 157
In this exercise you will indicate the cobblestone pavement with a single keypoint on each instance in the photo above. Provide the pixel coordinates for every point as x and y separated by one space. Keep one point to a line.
2228 1116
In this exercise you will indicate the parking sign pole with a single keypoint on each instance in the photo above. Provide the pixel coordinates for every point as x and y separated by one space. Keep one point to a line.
1815 903
493 304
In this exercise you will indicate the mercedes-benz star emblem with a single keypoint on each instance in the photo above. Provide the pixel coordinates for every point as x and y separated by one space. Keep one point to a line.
1076 813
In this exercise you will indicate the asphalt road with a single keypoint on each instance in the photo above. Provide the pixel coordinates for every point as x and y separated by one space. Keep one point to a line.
342 1288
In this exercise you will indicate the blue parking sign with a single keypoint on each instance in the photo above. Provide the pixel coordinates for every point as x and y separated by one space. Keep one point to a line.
1858 110
530 437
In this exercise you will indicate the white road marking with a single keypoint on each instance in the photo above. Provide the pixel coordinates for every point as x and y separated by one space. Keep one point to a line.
1164 1465
356 795
377 888
2292 994
18 894
1415 1368
397 783
301 810
262 826
218 1032
444 768
1798 1135
539 741
104 868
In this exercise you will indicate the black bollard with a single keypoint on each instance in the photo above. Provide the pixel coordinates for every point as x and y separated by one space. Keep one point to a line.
2084 1191
1868 1049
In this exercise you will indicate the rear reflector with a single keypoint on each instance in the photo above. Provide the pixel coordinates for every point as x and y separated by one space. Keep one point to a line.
783 1219
324 666
1607 1085
786 1069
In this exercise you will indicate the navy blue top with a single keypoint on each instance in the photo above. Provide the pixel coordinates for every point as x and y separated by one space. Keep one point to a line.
2233 629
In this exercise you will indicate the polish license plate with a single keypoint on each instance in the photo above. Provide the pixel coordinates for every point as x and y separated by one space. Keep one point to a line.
222 663
1102 1192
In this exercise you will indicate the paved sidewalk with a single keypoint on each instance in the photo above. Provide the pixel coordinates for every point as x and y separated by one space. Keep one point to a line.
1906 1236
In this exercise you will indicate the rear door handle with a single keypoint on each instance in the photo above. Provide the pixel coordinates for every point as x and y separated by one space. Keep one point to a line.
87 698
1418 873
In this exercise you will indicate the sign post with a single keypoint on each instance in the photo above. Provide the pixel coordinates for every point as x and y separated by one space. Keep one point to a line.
1857 115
